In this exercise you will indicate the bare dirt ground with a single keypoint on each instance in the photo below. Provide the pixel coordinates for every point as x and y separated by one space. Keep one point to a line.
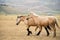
10 31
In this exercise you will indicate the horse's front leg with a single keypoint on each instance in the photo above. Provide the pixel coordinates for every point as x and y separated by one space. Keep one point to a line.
40 29
36 28
29 32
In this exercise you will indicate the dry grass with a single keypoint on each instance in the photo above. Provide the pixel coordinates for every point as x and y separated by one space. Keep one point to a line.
10 31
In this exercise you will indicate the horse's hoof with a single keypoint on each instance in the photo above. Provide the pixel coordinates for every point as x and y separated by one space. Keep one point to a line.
54 35
47 34
27 35
37 34
30 32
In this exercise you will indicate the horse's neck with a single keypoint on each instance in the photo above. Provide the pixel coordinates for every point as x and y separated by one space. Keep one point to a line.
26 21
34 16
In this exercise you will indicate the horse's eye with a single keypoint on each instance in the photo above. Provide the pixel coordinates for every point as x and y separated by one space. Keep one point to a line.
27 19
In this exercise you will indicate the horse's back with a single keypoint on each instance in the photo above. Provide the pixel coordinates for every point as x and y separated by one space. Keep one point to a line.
45 20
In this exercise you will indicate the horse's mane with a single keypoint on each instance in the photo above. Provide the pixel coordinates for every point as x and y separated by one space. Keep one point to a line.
33 13
20 16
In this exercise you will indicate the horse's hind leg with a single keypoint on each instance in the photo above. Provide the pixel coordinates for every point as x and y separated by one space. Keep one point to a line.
29 32
54 29
40 29
54 32
48 27
47 31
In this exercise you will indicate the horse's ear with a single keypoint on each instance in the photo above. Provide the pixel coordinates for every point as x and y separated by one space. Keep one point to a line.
18 16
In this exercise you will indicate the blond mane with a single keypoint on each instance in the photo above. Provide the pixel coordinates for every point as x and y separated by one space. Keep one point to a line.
33 13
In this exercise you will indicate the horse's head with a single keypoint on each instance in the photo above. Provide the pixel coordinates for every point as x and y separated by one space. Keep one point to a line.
19 19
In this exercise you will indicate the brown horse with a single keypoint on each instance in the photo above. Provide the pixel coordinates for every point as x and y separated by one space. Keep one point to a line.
30 22
44 21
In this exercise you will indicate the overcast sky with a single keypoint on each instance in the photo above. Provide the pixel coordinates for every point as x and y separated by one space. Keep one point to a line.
39 5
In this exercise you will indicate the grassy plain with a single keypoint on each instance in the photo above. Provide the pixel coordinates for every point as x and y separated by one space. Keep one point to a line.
10 31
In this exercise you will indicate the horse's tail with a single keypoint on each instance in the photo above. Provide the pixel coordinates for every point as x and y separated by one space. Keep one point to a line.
57 23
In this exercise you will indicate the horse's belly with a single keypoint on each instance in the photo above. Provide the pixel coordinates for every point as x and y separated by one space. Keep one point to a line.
32 24
44 23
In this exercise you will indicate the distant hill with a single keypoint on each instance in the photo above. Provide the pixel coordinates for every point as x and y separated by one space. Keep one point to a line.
13 10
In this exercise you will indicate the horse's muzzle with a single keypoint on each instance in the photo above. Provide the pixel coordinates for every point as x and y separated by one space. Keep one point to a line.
16 23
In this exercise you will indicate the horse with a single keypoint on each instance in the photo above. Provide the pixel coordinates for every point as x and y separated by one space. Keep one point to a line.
44 21
30 22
